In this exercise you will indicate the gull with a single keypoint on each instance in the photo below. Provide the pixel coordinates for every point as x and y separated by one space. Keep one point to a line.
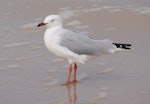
74 46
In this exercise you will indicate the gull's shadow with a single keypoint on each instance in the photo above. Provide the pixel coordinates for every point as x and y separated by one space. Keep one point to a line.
72 100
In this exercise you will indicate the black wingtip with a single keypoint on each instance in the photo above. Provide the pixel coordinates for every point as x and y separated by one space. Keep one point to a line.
123 46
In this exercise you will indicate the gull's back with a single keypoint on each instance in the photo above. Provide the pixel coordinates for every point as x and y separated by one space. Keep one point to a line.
83 44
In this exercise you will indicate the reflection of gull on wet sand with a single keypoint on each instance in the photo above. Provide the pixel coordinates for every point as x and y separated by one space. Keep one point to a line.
74 95
74 46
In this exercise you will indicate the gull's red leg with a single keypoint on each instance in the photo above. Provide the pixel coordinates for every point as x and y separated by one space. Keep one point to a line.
69 74
75 73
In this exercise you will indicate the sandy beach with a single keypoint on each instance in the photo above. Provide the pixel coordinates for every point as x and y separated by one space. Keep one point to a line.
29 73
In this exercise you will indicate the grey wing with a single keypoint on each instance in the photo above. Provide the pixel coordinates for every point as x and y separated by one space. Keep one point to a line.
82 44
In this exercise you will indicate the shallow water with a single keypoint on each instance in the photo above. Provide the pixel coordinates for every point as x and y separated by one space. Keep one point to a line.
30 74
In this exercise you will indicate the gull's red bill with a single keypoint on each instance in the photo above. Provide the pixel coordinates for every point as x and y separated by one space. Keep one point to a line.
41 24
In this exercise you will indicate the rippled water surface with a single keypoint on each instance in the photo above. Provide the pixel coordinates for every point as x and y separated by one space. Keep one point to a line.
30 74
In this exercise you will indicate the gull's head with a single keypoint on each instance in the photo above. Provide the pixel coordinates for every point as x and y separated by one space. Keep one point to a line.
51 21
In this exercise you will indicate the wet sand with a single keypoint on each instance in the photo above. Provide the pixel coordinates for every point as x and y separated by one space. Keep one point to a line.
30 74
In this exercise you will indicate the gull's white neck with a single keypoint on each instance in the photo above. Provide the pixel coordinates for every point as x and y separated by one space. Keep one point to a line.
53 29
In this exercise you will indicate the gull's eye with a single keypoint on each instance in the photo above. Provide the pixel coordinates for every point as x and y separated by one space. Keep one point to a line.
52 20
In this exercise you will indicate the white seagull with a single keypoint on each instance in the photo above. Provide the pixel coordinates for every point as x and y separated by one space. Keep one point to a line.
74 46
